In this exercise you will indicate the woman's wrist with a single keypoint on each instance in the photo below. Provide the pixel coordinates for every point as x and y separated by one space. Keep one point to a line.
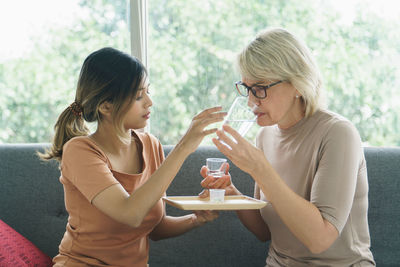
261 170
232 191
181 148
195 221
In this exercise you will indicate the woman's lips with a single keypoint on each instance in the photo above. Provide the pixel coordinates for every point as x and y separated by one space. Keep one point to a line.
147 116
259 114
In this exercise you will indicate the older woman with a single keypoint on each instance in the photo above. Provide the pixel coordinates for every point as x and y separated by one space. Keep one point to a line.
308 162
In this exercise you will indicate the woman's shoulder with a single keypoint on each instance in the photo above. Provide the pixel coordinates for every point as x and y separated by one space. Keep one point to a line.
146 136
78 141
328 117
335 124
80 144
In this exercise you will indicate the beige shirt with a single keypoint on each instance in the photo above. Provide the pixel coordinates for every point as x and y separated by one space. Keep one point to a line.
321 159
92 238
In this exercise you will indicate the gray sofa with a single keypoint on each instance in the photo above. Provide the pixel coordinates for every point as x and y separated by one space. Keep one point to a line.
31 201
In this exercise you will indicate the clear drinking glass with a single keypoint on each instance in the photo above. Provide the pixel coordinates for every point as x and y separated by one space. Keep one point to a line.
240 116
216 167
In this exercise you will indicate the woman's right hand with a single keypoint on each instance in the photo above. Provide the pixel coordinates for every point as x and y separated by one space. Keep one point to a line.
196 132
224 182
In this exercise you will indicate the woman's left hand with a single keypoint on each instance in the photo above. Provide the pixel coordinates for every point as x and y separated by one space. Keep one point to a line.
211 182
243 154
201 217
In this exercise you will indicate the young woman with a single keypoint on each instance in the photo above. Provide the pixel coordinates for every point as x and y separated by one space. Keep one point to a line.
114 179
308 162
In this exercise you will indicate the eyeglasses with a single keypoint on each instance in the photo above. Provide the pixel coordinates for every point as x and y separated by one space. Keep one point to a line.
259 91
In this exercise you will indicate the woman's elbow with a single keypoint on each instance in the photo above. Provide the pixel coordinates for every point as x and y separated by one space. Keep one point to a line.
135 224
318 247
132 220
155 237
262 237
324 240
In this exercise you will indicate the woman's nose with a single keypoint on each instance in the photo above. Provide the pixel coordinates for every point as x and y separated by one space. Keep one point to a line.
252 100
149 102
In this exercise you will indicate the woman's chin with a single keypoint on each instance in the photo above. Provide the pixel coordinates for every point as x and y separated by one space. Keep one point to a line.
264 121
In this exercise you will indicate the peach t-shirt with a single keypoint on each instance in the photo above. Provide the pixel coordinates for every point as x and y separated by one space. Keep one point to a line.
92 238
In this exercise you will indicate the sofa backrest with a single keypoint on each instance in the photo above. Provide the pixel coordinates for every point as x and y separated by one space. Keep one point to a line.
31 201
31 196
383 166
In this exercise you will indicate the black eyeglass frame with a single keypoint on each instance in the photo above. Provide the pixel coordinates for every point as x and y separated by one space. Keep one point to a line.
253 91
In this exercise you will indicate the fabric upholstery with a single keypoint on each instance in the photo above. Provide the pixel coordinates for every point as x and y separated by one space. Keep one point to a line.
16 250
31 202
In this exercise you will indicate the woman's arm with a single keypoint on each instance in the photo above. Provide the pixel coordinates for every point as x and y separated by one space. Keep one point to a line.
253 221
132 209
301 216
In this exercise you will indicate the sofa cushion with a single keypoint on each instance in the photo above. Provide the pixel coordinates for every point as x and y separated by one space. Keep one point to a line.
16 250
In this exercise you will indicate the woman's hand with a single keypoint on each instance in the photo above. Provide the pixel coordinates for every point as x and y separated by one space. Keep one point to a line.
224 182
210 181
196 132
201 217
243 154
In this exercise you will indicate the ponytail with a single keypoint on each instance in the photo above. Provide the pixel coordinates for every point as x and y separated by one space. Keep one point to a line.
69 124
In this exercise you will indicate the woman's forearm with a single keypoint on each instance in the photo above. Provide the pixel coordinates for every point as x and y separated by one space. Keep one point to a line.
253 221
301 216
145 197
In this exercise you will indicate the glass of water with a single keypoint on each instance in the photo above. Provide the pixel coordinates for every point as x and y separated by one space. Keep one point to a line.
240 116
216 167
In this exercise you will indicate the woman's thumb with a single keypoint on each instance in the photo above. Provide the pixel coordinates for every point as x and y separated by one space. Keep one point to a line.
203 171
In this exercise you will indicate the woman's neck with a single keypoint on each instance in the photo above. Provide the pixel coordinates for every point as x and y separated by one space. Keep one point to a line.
293 116
108 139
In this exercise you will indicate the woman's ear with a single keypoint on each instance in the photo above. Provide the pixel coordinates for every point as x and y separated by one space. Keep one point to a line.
105 108
298 94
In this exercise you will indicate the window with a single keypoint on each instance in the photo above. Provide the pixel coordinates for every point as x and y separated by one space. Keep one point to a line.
47 42
191 50
192 45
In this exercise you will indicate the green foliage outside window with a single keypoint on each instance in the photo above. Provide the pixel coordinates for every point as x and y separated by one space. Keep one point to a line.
192 47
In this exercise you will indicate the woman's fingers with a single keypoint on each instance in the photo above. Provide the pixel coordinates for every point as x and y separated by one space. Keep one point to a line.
205 118
222 182
226 139
206 215
225 167
203 171
233 133
207 112
210 182
205 193
196 132
209 131
212 215
211 118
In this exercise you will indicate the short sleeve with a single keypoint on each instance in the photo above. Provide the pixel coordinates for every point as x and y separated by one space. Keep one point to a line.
334 184
85 166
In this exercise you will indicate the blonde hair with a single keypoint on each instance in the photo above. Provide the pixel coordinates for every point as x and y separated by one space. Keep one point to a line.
107 75
276 54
